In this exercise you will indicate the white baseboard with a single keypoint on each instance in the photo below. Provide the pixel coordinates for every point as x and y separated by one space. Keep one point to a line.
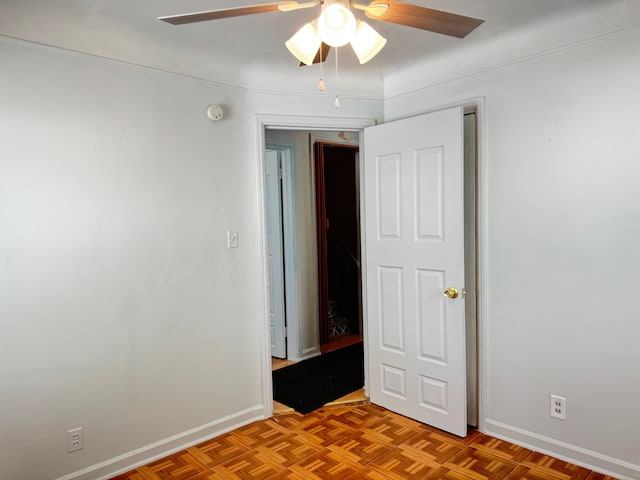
149 453
307 353
564 451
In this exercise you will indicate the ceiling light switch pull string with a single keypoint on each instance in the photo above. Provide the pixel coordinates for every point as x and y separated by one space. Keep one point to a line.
321 85
337 102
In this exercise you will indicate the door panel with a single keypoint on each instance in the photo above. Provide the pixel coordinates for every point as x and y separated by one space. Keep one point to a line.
391 318
389 209
431 325
415 251
275 257
429 190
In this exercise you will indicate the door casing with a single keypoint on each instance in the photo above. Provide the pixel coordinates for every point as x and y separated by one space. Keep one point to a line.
292 122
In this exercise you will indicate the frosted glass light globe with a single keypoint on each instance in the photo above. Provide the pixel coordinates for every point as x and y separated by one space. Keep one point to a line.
336 25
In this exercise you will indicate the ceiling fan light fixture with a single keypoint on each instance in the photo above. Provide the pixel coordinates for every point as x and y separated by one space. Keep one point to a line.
336 24
304 45
367 43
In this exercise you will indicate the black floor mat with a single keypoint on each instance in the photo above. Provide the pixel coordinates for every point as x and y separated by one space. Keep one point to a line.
311 383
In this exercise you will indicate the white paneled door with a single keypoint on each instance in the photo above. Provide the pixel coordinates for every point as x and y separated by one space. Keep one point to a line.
414 226
275 256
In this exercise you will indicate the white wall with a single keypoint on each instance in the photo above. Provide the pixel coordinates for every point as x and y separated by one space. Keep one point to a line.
561 164
121 309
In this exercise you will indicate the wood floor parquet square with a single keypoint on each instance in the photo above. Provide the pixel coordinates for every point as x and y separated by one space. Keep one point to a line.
142 473
404 462
289 449
258 433
500 448
180 466
360 448
439 448
444 473
599 476
288 475
324 431
360 415
251 465
362 441
208 475
481 465
558 469
290 420
327 465
526 473
218 450
393 429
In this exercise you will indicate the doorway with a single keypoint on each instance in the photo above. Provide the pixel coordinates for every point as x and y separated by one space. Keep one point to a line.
338 239
299 205
354 125
319 181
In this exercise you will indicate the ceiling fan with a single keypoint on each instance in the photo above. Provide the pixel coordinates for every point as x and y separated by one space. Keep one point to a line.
337 26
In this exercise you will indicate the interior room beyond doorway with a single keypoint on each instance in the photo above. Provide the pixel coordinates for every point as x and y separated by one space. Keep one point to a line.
321 286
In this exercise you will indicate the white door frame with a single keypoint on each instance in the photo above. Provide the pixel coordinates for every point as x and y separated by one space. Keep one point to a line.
283 122
292 314
292 122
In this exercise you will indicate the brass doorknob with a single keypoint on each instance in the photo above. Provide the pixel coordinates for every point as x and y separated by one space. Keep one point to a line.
451 292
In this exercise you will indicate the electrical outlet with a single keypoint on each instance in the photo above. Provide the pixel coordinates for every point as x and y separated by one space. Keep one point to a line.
75 439
558 407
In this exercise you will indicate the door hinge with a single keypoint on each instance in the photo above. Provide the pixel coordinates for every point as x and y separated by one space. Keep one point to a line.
285 332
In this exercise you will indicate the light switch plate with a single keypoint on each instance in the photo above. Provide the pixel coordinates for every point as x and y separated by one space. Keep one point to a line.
232 239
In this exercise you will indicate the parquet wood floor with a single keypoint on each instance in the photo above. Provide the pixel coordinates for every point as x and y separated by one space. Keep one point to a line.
278 363
356 441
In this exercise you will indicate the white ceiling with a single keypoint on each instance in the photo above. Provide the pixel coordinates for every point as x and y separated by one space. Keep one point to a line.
249 51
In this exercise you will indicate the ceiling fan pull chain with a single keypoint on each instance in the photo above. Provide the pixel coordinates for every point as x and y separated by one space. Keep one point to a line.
321 85
337 102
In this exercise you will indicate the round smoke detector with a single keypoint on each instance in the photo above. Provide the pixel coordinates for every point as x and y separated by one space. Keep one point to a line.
215 112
